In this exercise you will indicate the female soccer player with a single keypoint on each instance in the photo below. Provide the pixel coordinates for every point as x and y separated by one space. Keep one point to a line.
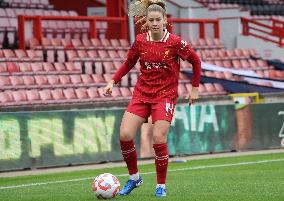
155 93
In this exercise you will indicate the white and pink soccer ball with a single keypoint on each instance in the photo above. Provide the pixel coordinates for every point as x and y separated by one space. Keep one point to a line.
106 186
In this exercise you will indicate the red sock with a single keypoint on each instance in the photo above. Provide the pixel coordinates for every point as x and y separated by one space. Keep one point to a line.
161 161
129 154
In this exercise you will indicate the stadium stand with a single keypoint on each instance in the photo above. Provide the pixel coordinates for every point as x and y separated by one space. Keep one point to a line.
67 66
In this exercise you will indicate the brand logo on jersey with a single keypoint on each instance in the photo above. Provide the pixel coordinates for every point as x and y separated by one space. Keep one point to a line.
154 65
183 43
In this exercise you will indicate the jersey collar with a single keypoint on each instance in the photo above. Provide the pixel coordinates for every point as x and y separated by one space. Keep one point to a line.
164 38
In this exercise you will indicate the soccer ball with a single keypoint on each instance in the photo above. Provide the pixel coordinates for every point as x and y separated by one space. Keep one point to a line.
106 186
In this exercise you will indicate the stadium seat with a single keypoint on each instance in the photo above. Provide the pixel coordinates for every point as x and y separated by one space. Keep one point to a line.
65 79
93 93
12 67
99 79
41 80
45 95
33 96
125 92
82 93
16 81
87 79
53 80
4 81
76 79
19 96
5 98
57 95
69 94
37 67
29 80
25 68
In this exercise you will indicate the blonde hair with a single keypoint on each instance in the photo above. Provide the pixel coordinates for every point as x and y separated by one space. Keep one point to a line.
156 8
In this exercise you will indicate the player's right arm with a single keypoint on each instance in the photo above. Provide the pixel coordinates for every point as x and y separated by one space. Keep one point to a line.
132 57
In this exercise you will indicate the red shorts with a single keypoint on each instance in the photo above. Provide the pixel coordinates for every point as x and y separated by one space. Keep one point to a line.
163 110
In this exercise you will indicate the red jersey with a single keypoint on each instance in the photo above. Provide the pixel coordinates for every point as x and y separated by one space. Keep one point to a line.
160 67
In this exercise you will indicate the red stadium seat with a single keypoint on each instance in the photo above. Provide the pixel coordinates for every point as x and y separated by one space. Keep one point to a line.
76 79
19 96
21 55
41 80
103 54
16 80
12 67
108 67
82 93
25 67
98 78
108 77
59 67
35 55
29 80
10 55
3 68
96 42
4 81
87 79
93 54
116 93
105 43
69 94
124 43
65 79
93 92
37 67
219 88
57 95
5 98
45 95
33 96
125 92
87 43
210 88
53 80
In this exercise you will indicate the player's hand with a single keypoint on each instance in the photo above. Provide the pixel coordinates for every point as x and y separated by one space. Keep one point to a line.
108 88
193 95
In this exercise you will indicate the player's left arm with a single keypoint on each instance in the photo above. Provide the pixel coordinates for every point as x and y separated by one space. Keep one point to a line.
196 69
185 51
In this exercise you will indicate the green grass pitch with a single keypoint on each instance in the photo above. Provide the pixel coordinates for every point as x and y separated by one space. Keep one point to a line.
245 178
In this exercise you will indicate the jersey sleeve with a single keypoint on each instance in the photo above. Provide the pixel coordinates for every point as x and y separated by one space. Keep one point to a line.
132 57
185 51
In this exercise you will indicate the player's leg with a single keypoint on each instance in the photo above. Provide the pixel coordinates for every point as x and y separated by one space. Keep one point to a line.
132 120
160 131
146 139
162 114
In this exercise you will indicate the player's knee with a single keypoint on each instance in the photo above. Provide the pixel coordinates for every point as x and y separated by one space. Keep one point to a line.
160 138
125 134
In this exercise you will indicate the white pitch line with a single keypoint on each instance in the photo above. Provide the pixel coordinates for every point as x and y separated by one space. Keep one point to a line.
146 173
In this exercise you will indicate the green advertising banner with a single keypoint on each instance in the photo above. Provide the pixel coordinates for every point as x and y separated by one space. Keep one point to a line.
267 126
202 129
57 138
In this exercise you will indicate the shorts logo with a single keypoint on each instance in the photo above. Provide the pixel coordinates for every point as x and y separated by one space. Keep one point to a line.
170 108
